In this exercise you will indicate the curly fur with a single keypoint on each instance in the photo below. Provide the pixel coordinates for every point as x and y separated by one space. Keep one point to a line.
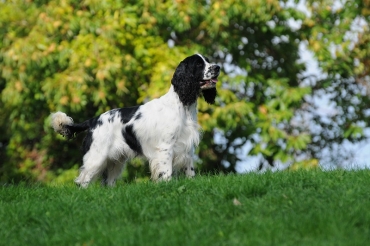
164 130
209 95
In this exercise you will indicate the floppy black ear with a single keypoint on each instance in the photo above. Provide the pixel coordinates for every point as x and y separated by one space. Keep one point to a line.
185 84
210 95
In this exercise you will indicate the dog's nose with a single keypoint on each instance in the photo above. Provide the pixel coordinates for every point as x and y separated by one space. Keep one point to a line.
217 68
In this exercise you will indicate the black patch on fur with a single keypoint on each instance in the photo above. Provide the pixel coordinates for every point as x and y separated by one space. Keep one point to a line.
209 95
95 122
129 135
127 113
87 142
186 79
73 130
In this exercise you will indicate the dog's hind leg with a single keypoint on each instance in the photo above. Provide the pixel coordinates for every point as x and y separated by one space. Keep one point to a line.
93 166
112 172
184 163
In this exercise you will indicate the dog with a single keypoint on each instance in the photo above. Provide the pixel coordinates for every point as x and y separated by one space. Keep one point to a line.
163 130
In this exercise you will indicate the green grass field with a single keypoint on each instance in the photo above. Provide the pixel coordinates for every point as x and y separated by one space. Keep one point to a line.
283 208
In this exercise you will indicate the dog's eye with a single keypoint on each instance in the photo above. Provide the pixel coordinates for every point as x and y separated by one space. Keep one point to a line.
199 64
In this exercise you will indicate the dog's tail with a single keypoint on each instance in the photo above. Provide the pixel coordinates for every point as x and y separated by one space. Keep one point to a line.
63 124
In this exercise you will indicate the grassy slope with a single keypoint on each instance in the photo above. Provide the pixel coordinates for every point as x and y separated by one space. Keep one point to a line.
286 208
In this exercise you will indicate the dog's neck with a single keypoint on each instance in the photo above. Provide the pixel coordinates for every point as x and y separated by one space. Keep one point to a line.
172 98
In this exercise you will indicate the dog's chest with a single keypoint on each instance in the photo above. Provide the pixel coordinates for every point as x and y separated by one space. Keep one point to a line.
187 135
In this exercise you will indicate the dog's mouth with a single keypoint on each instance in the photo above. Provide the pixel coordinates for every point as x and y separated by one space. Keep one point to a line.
207 84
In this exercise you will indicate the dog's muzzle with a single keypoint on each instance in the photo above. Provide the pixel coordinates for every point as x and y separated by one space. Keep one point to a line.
211 83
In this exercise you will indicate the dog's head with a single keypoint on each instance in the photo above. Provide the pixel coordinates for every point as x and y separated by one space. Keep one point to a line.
195 76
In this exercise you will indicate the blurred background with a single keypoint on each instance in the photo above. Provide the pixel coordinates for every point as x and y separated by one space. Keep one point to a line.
293 93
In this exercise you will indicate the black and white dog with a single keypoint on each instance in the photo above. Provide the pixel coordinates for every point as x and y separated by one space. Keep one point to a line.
164 130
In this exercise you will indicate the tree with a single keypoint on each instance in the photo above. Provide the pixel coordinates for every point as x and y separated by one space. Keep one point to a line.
339 33
87 57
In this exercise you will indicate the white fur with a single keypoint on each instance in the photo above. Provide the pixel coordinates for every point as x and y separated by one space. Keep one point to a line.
59 119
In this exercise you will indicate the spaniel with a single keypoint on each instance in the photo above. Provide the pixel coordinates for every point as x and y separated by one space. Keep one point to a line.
164 130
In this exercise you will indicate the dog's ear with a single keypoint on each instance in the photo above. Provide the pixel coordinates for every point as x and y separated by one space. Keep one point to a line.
185 84
209 95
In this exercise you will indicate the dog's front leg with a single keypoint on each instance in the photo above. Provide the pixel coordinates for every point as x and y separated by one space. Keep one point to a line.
161 165
188 164
189 167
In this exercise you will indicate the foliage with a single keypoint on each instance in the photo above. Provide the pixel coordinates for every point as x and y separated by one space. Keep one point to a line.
85 57
338 32
321 208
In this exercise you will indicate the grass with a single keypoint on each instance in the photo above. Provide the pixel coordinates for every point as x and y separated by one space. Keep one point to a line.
283 208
